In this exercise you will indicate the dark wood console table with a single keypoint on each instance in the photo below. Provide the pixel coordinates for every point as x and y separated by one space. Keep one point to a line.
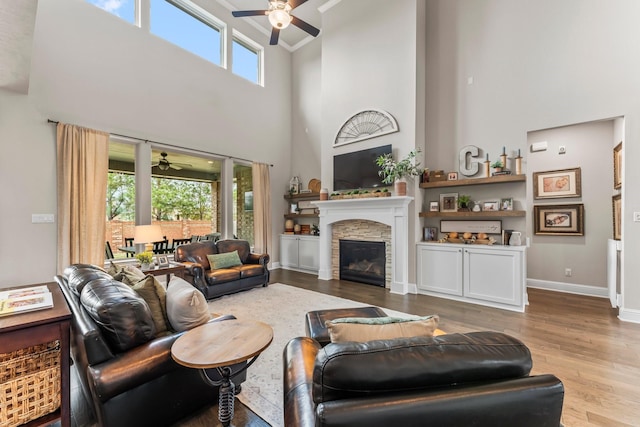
18 331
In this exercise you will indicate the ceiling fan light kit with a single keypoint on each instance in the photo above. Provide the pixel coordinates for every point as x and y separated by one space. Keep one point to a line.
279 14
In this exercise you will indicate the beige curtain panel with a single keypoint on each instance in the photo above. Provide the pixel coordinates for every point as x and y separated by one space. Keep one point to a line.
82 167
261 207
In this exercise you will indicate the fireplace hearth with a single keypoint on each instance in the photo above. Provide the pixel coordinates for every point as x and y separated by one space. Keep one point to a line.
362 261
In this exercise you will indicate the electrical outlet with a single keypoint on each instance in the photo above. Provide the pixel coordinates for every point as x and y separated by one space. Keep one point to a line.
562 149
636 217
567 272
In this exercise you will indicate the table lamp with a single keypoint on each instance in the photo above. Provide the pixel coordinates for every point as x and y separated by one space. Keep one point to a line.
147 234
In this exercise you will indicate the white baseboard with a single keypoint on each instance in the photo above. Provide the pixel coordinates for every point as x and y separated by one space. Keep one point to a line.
629 315
570 288
275 265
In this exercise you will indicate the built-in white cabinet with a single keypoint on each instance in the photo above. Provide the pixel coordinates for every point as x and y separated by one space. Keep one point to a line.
481 274
300 252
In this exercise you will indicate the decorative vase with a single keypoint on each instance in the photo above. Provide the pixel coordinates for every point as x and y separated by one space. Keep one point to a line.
400 188
145 266
515 239
288 225
296 229
324 194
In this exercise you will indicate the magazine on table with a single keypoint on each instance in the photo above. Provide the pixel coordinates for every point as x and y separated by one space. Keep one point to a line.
13 301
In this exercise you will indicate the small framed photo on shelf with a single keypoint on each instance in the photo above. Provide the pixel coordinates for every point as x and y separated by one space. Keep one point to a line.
559 220
491 206
293 208
506 204
429 234
449 202
452 176
434 206
163 261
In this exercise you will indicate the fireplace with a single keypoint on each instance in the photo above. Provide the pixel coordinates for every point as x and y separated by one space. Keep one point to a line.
362 261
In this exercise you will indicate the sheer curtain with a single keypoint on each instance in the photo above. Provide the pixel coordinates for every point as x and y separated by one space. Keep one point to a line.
261 207
82 167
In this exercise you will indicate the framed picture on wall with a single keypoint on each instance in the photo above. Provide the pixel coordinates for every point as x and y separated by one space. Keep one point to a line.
616 202
557 184
617 166
559 220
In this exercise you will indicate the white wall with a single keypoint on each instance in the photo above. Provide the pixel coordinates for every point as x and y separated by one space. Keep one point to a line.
535 65
93 69
369 61
589 147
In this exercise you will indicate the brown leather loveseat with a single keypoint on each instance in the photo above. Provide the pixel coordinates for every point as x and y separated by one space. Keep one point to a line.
252 269
126 372
474 379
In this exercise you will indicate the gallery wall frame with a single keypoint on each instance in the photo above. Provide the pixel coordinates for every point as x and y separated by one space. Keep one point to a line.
616 205
557 184
559 220
472 226
617 166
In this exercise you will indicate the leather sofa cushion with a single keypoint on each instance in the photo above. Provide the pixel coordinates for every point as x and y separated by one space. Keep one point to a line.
122 315
222 275
78 275
250 270
197 252
230 245
362 329
350 369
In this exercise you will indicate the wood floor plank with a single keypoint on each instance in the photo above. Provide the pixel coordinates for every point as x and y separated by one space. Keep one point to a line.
579 339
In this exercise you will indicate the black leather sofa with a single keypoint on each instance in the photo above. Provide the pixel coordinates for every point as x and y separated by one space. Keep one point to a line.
137 386
476 379
213 283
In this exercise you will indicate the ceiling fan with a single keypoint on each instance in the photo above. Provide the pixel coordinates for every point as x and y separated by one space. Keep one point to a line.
164 164
280 17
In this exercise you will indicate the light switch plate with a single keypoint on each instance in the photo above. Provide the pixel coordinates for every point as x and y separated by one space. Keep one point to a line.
41 218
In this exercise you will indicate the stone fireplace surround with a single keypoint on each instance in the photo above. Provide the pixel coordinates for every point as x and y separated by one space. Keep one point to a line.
392 211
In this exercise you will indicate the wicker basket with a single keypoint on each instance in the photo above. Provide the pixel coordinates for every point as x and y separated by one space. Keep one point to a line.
29 383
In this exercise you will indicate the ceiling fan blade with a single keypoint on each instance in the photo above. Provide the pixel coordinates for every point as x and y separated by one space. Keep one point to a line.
305 26
241 13
275 34
173 166
296 3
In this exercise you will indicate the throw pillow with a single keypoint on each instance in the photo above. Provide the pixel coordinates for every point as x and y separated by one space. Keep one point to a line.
361 329
186 306
155 296
224 260
129 275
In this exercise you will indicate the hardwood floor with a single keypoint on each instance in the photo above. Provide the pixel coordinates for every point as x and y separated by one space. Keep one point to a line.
579 339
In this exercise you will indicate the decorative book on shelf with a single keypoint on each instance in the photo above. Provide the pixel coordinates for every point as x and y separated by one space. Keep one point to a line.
20 300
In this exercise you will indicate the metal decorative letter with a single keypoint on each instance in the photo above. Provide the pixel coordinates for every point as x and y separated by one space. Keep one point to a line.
469 160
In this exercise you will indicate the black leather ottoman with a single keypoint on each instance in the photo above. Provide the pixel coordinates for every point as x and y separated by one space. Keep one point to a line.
314 320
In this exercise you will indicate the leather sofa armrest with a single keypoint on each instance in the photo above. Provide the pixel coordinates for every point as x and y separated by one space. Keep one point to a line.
137 366
298 359
130 369
262 259
196 271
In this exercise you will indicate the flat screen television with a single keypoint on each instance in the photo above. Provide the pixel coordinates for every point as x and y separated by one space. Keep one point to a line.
358 169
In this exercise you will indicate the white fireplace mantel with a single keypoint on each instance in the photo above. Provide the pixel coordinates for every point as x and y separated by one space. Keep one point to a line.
392 211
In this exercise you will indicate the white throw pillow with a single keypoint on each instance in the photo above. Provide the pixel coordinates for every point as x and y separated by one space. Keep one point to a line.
186 306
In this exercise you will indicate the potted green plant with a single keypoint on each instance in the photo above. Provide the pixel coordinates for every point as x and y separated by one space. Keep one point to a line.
396 172
145 258
497 165
463 202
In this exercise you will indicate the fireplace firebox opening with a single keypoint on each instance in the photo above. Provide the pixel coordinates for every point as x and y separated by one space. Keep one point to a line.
363 261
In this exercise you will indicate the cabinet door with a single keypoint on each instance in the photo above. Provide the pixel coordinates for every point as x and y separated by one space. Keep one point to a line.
308 253
440 269
494 275
289 251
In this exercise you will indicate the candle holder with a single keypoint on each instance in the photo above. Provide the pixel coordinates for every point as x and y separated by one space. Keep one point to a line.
487 169
518 165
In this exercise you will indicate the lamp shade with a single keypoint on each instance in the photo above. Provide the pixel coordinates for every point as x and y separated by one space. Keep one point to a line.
280 18
147 234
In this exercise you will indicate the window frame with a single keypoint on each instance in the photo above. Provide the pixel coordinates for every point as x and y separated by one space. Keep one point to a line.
258 49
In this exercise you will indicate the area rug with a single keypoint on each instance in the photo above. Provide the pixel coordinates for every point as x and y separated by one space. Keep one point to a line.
283 307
